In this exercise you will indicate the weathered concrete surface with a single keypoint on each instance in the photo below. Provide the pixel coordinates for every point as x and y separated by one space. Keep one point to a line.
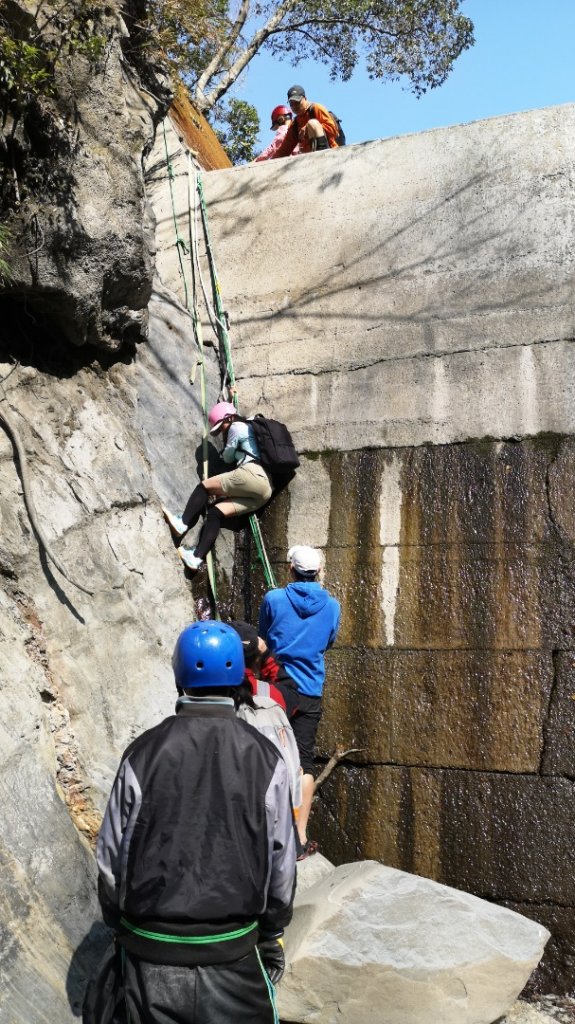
368 942
424 704
413 322
504 837
428 299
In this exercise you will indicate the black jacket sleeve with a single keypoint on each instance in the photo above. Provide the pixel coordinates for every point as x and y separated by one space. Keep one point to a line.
281 852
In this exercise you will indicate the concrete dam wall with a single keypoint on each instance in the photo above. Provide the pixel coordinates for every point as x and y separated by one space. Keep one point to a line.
407 306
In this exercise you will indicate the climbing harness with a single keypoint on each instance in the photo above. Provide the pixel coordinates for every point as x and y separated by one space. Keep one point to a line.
218 320
189 940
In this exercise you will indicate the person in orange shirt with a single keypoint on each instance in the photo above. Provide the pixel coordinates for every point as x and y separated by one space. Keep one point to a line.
313 127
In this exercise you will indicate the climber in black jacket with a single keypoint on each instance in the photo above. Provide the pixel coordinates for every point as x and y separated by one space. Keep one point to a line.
196 855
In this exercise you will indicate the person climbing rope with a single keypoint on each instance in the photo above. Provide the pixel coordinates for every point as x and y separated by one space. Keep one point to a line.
243 490
313 126
281 119
298 624
196 858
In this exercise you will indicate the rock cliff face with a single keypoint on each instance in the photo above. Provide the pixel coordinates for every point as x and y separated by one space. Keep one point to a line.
413 322
81 250
82 673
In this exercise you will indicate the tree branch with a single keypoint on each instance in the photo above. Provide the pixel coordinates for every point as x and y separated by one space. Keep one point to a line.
412 42
348 22
303 32
219 57
274 26
334 760
207 101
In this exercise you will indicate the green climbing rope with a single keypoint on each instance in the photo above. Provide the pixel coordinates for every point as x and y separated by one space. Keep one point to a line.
180 244
199 335
224 338
219 321
197 329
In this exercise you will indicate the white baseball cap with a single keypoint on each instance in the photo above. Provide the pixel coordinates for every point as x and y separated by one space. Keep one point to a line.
304 559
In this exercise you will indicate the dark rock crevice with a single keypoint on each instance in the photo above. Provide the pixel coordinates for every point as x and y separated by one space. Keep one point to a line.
81 238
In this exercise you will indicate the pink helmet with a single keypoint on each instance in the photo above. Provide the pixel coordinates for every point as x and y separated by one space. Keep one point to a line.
219 413
278 112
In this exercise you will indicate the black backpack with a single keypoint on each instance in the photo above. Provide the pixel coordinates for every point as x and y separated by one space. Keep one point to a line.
340 132
277 453
340 137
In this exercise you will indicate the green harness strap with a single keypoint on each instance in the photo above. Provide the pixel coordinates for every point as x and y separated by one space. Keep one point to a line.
189 940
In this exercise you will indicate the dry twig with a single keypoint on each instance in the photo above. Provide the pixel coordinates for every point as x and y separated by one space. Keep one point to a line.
334 760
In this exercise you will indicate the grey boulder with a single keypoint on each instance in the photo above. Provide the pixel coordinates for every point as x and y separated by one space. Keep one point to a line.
370 943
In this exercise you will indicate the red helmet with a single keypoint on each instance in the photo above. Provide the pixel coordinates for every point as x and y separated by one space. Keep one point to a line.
278 112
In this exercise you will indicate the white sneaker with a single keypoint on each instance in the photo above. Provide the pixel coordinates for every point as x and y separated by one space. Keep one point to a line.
176 524
189 559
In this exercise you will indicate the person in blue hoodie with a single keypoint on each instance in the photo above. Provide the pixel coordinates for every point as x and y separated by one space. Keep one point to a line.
298 623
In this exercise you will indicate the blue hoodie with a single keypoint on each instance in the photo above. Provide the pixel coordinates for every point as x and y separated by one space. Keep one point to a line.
298 624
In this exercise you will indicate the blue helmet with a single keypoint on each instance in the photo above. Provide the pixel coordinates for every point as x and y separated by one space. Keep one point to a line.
208 654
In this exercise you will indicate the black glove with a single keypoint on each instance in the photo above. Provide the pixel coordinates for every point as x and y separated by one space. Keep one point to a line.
272 956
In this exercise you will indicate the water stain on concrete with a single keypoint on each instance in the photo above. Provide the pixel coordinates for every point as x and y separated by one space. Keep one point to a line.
453 671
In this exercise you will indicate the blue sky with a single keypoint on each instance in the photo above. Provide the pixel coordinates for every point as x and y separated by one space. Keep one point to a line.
524 57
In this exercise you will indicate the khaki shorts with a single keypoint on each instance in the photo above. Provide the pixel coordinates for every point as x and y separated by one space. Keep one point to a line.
247 487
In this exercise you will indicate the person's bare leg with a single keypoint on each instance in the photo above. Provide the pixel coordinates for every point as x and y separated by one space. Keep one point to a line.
314 129
316 135
213 486
227 508
307 784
